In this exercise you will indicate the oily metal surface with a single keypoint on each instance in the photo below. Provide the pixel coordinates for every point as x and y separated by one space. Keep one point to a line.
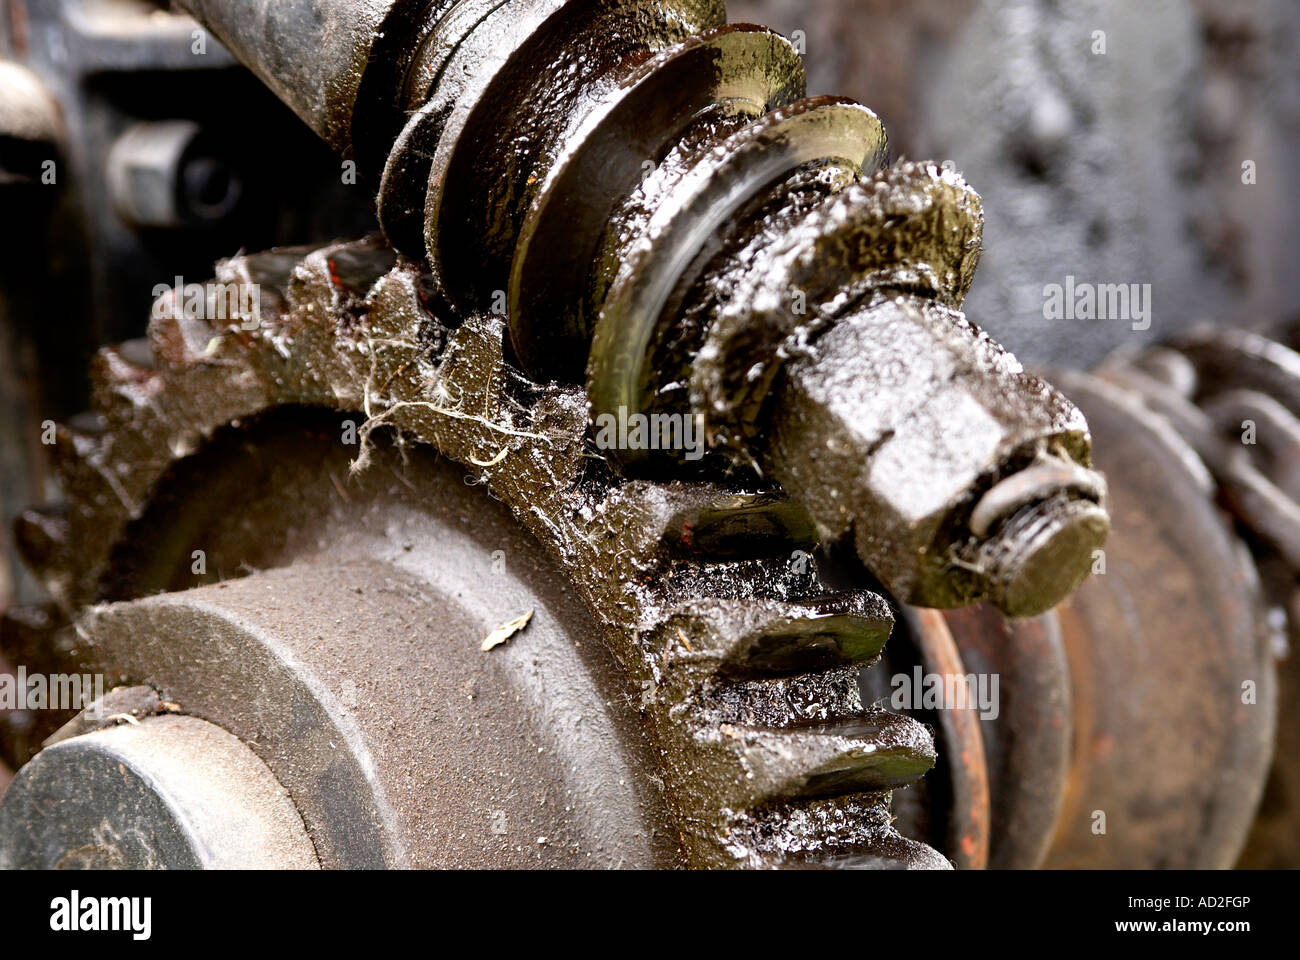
777 720
764 759
351 658
526 97
624 145
908 228
528 108
311 53
895 422
828 132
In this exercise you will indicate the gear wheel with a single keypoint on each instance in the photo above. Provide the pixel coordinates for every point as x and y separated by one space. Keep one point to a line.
741 658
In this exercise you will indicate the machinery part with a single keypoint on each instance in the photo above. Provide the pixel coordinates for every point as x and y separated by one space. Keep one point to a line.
736 660
742 665
716 223
1025 751
166 174
959 730
109 66
1135 722
30 125
1235 397
294 41
898 474
162 793
1181 792
401 742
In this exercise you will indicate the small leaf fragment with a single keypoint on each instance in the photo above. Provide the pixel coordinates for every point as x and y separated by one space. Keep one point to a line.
507 630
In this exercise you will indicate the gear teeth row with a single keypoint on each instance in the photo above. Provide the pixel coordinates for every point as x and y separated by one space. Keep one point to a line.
843 834
773 638
704 520
743 657
874 752
759 658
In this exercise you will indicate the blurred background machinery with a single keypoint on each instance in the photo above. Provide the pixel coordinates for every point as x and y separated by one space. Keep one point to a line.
1108 144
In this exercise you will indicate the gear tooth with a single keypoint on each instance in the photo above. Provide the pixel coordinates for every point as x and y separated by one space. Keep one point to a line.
843 833
775 637
138 353
335 281
787 579
702 522
739 525
357 266
178 341
257 287
41 534
78 456
77 441
122 378
87 425
874 752
890 851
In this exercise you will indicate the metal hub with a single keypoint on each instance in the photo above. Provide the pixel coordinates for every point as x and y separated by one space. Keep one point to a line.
167 792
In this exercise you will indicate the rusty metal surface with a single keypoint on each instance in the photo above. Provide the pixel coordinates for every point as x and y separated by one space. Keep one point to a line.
1027 747
964 756
1173 684
1234 396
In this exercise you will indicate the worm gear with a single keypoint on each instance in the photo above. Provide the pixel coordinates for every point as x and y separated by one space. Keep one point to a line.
647 193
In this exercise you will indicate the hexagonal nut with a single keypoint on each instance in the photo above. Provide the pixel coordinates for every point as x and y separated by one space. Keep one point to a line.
895 423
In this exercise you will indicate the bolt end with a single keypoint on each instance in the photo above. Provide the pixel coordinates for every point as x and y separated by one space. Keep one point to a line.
1043 553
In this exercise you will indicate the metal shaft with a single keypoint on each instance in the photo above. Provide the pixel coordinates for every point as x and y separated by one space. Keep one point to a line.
652 197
